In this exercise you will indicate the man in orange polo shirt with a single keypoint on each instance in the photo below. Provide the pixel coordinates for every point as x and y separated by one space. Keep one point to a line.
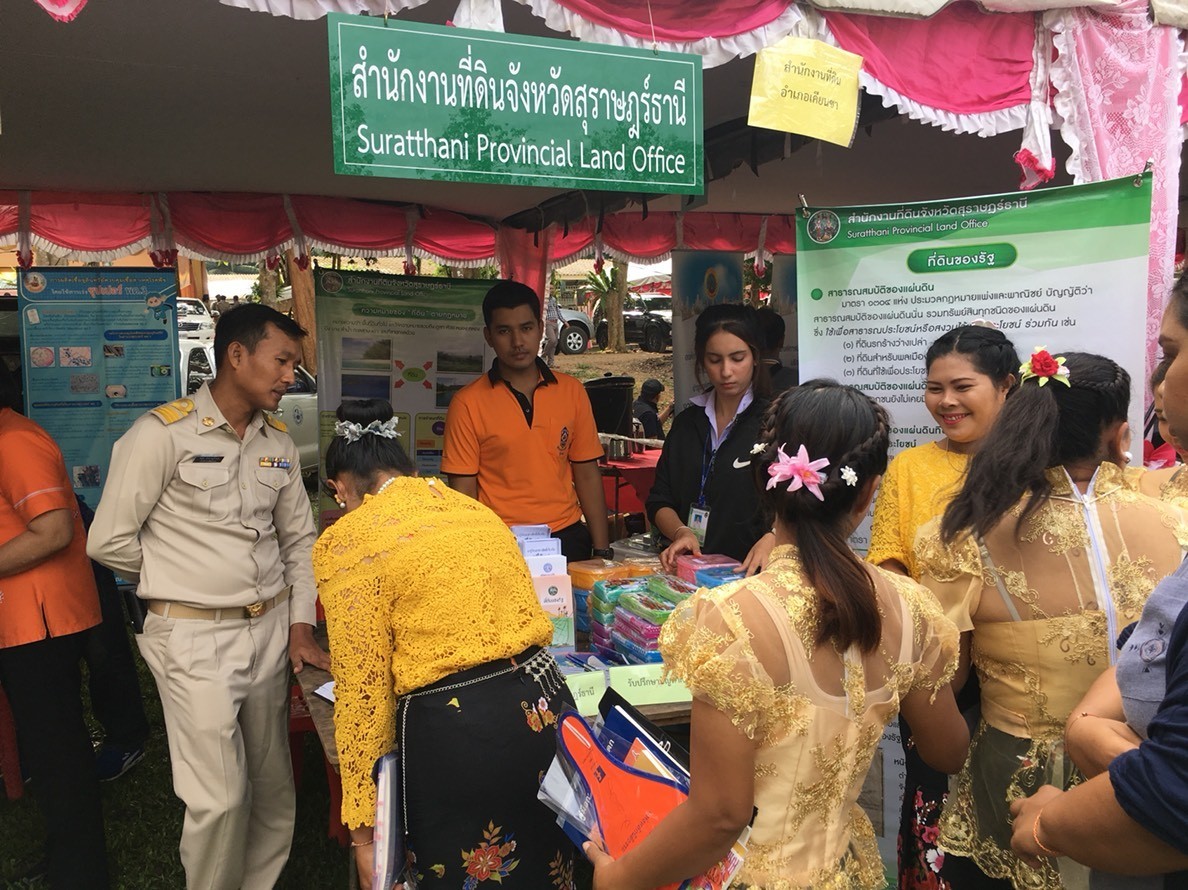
521 439
47 599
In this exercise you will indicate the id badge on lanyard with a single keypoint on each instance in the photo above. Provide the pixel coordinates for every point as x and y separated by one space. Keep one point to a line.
699 511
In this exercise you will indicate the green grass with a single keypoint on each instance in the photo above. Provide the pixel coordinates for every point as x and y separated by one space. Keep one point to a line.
143 821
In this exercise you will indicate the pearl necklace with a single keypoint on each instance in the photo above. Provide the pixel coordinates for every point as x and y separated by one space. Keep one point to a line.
381 489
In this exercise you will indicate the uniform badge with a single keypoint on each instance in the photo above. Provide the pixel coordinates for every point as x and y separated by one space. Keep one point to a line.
208 421
564 443
280 463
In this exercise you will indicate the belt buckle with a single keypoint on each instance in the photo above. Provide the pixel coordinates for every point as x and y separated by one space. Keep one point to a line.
255 610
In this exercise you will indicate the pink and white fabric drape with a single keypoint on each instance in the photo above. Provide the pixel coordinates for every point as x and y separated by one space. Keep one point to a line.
1117 91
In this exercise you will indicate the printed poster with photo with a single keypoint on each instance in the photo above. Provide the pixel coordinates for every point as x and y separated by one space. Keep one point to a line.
412 341
700 278
98 349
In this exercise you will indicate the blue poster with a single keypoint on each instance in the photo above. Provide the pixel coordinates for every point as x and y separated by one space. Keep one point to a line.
98 349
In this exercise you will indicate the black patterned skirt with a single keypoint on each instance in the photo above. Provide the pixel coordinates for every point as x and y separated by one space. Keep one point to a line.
474 747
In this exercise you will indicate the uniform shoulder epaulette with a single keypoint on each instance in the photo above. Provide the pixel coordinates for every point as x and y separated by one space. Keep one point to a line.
172 412
275 423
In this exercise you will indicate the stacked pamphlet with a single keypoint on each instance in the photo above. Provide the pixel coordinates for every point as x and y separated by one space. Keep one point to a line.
617 784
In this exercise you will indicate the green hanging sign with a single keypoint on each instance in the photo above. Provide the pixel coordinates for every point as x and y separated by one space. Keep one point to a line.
428 102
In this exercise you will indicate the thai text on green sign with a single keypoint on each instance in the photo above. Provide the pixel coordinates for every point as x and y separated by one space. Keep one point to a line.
427 102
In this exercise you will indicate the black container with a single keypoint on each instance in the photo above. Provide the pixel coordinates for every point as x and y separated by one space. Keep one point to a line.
611 397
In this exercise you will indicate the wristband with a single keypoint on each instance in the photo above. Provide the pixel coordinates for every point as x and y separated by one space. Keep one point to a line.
363 843
1035 827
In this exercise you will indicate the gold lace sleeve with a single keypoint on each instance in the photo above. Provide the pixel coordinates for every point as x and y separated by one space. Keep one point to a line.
886 528
358 620
952 572
706 645
936 641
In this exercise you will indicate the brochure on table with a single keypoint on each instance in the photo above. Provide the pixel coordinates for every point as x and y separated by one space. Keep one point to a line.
98 349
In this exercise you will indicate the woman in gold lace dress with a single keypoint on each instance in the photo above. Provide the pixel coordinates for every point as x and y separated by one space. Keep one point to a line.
1044 556
796 671
970 371
436 644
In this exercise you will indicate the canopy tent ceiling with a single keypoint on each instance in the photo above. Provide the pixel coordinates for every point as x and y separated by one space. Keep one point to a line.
144 96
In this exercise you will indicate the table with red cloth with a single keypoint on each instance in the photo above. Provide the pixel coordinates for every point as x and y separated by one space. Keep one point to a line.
627 482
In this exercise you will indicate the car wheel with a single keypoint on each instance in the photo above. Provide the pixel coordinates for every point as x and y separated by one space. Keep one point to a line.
573 340
601 337
653 340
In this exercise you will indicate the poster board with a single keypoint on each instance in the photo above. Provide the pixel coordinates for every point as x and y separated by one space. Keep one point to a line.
98 349
700 278
1063 267
412 341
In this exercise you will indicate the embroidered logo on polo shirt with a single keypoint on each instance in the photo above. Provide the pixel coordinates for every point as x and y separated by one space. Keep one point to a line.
563 445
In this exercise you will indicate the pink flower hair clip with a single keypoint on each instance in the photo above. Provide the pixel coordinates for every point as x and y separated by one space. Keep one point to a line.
798 472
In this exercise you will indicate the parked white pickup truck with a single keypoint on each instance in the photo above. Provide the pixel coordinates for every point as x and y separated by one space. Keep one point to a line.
298 408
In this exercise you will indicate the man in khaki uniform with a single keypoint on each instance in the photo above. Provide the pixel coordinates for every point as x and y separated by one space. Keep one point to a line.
204 502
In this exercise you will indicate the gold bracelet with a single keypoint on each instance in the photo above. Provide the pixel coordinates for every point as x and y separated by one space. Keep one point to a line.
1035 827
1074 720
363 843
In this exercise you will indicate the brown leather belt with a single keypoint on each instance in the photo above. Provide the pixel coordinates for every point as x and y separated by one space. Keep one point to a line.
255 610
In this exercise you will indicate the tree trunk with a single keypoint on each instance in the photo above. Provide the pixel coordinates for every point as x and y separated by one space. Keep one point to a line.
267 284
616 341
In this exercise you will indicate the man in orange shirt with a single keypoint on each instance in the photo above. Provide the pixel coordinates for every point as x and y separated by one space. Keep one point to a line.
521 439
47 599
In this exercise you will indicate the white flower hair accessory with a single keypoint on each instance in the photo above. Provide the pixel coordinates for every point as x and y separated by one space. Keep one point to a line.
849 476
353 432
758 448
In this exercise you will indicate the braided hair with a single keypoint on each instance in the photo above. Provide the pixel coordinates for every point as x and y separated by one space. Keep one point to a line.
988 350
853 431
1039 427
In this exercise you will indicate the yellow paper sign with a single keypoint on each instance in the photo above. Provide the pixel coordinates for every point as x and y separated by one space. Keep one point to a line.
807 87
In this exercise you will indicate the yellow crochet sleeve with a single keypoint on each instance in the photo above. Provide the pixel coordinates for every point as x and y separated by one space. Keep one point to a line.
358 622
886 528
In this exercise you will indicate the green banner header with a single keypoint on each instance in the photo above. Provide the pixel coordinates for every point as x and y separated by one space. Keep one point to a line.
1097 205
441 103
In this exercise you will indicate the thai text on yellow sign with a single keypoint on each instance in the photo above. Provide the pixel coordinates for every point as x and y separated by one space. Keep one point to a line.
807 87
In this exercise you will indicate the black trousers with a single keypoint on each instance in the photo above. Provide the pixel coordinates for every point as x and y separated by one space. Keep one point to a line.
44 686
576 544
111 671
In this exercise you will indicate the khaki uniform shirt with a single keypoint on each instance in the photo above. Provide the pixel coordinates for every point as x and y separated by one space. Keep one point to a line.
203 518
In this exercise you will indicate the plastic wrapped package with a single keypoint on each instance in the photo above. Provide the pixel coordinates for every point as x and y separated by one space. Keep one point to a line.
646 607
610 589
670 588
588 571
688 565
716 576
640 628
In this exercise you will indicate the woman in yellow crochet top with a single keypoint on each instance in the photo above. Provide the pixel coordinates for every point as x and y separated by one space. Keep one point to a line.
970 370
436 645
796 671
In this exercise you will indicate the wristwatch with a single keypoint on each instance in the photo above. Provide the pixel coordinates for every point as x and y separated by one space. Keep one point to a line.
604 553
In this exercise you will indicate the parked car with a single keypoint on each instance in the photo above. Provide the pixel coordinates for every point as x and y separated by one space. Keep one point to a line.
647 320
576 332
194 321
298 408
